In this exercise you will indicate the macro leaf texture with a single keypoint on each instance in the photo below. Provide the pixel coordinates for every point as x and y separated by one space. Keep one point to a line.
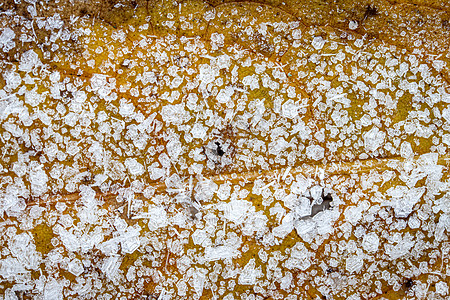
224 150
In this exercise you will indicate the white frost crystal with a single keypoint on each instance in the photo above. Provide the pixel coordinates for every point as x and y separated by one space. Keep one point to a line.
371 242
353 25
110 266
442 288
53 290
198 131
403 199
374 139
6 39
38 179
354 263
249 273
28 61
137 160
315 152
157 217
134 166
75 267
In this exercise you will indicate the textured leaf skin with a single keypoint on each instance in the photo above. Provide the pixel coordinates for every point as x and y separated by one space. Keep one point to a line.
167 149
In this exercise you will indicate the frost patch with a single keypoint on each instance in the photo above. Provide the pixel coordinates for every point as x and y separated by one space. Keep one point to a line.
300 257
101 85
315 152
403 199
198 131
157 217
38 179
401 248
250 274
110 266
354 263
236 210
251 81
371 242
28 61
6 40
53 290
373 139
207 74
134 167
318 42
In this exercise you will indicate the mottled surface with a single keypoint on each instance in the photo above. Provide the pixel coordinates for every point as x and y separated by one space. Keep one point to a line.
238 150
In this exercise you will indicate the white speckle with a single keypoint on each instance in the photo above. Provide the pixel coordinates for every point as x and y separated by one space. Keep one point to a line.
373 139
13 80
217 40
10 267
209 15
198 280
54 76
225 94
446 114
296 34
6 39
441 288
371 242
289 109
198 131
70 241
110 266
224 191
174 149
220 252
401 248
353 214
53 290
101 86
236 210
207 74
126 108
38 180
156 173
148 77
406 150
352 25
414 222
157 217
130 240
286 227
134 167
22 247
300 257
249 274
251 81
403 199
340 117
28 61
75 267
223 61
318 42
354 264
315 152
175 114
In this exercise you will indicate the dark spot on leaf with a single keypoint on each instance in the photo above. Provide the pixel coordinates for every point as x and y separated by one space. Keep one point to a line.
220 151
408 283
371 11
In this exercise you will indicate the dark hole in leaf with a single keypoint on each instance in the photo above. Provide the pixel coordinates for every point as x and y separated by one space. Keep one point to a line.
408 283
220 151
326 204
371 11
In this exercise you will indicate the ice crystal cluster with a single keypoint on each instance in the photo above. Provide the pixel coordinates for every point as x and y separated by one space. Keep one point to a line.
194 150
